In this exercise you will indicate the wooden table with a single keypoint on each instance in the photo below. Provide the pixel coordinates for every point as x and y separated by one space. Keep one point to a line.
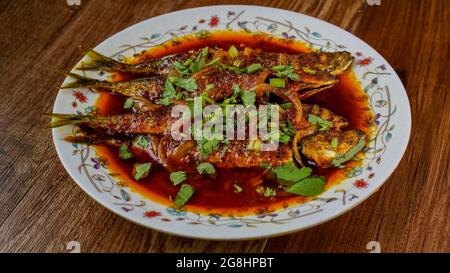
42 209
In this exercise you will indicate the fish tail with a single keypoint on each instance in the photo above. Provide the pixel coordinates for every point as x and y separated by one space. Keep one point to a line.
59 120
80 81
97 61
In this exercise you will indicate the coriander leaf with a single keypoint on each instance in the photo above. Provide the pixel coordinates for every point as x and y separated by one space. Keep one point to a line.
208 146
128 103
181 68
141 170
169 93
177 177
341 159
124 152
310 186
284 138
188 84
248 97
316 120
294 76
232 99
286 105
290 173
142 142
288 128
334 142
184 194
199 61
206 168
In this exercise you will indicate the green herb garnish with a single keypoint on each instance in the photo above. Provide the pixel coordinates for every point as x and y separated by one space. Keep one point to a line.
210 86
169 94
188 84
299 181
341 159
277 82
184 194
199 61
141 170
124 152
237 188
310 186
284 138
269 192
213 62
252 68
128 103
206 168
286 71
286 105
248 97
142 142
181 68
265 165
233 52
309 70
177 177
254 145
316 120
334 142
290 173
207 146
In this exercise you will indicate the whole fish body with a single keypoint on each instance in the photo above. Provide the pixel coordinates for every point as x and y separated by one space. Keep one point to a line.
315 67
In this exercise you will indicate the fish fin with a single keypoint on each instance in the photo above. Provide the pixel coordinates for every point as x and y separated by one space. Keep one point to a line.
80 81
308 93
97 61
59 120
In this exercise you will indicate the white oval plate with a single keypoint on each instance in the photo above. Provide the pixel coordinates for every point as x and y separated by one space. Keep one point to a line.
387 96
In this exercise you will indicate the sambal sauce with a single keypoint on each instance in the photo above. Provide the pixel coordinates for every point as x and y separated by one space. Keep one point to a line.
219 195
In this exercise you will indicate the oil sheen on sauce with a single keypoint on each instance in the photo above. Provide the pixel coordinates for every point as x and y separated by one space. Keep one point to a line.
218 196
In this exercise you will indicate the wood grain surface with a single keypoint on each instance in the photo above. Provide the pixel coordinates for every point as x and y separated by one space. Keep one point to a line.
42 209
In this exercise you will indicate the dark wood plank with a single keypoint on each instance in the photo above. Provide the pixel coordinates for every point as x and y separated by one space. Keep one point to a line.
42 208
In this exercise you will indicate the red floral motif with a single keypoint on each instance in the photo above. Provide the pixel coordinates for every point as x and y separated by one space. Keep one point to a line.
152 213
365 61
214 21
74 104
79 96
359 54
360 184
